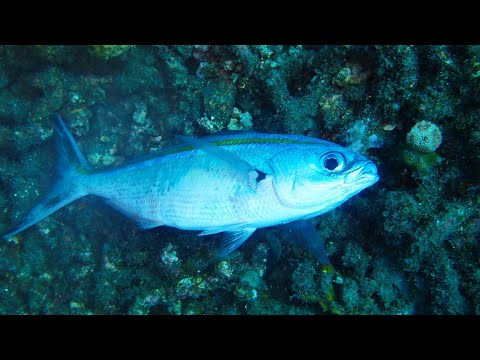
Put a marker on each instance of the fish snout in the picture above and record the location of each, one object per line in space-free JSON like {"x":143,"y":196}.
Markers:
{"x":369,"y":169}
{"x":366,"y":172}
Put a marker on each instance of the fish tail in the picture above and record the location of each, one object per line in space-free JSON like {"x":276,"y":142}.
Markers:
{"x":72,"y":170}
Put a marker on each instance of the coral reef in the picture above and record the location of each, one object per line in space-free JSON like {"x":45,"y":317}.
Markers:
{"x":106,"y":52}
{"x":425,"y":137}
{"x":422,"y":140}
{"x":408,"y":245}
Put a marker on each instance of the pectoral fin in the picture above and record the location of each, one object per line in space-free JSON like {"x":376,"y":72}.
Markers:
{"x":234,"y":162}
{"x":303,"y":232}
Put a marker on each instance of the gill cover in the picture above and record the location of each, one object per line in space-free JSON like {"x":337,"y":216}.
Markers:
{"x":295,"y":171}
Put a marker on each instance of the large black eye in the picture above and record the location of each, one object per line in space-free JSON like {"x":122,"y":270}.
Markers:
{"x":333,"y":161}
{"x":331,"y":164}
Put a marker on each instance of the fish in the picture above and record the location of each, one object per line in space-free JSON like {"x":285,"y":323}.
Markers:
{"x":231,"y":183}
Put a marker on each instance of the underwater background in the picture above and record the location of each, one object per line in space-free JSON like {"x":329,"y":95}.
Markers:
{"x":407,"y":245}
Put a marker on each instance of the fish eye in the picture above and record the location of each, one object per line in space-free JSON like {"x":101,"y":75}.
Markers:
{"x":333,"y":162}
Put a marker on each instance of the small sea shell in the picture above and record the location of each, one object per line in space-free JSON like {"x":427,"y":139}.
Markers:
{"x":389,"y":127}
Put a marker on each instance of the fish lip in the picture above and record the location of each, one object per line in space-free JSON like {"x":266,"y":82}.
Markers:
{"x":369,"y":174}
{"x":366,"y":173}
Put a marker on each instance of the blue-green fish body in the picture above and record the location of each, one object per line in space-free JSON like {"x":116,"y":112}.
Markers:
{"x":232,"y":183}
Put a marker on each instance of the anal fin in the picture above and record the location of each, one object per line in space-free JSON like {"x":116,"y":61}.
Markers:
{"x":233,"y":239}
{"x":146,"y":224}
{"x":225,"y":228}
{"x":233,"y":236}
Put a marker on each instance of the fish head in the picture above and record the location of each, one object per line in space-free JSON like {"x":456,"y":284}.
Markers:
{"x":320,"y":176}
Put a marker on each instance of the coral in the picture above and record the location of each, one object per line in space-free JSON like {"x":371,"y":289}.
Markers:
{"x":351,"y":74}
{"x":210,"y":125}
{"x":424,"y":136}
{"x":407,"y":245}
{"x":107,"y":52}
{"x":359,"y":139}
{"x":57,"y":54}
{"x":170,"y":260}
{"x":424,"y":162}
{"x":142,"y":75}
{"x":240,"y":121}
{"x":224,"y":269}
{"x":219,"y":98}
{"x":423,"y":139}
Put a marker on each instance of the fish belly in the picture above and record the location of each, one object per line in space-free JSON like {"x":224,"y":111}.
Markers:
{"x":192,"y":193}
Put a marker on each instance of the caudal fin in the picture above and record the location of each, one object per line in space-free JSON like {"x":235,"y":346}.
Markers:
{"x":72,"y":168}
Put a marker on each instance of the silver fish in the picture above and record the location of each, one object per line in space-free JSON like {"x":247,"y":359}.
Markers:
{"x":233,"y":183}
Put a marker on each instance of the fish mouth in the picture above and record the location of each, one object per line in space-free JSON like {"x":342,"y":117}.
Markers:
{"x":365,"y":174}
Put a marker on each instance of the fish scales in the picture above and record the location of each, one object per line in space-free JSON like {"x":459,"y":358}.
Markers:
{"x":191,"y":190}
{"x":232,"y":183}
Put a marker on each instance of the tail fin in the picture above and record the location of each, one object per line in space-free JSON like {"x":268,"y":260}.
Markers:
{"x":71,"y":167}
